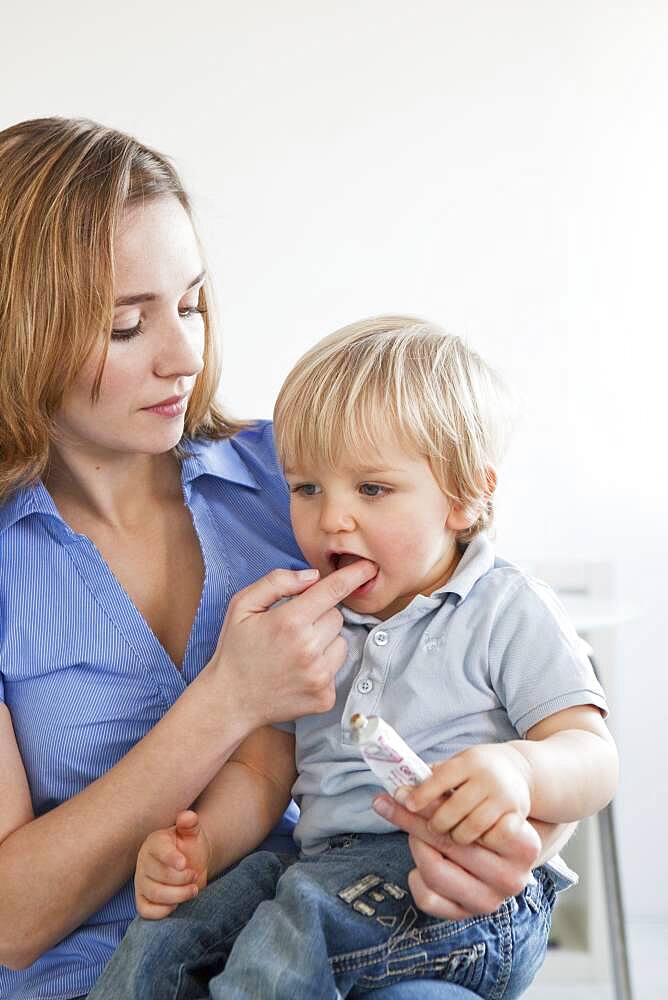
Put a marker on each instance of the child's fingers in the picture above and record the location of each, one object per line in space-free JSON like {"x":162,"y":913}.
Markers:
{"x":514,"y":839}
{"x":161,"y":846}
{"x":152,"y":911}
{"x":153,"y":868}
{"x":455,"y":808}
{"x":477,"y":822}
{"x":165,"y":895}
{"x":446,"y":776}
{"x":187,"y":823}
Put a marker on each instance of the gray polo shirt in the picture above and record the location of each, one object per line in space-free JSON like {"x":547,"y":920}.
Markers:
{"x":480,"y":661}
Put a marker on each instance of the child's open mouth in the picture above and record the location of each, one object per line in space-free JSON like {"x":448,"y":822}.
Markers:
{"x":339,"y":559}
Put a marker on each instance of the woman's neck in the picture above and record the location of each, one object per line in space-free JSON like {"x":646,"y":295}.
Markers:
{"x":115,"y":488}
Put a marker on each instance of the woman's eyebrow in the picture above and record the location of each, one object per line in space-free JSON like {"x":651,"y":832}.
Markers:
{"x":132,"y":300}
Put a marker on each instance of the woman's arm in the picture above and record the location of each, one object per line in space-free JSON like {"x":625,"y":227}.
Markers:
{"x":58,"y":869}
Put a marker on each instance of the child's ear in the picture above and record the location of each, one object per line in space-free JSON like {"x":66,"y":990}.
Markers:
{"x":460,"y":517}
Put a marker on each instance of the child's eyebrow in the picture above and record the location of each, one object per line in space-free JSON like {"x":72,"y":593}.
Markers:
{"x":370,"y":470}
{"x":358,"y":470}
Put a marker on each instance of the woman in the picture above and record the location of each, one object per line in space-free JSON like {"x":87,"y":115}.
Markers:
{"x":131,"y":511}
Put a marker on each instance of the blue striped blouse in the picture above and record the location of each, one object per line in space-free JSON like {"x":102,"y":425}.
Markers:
{"x":83,"y":675}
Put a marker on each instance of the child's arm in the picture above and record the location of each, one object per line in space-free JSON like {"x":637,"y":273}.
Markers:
{"x":234,"y":814}
{"x":566,"y":769}
{"x":574,"y":766}
{"x":243,"y":803}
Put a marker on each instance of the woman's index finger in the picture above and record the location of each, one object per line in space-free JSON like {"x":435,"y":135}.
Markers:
{"x":331,"y":590}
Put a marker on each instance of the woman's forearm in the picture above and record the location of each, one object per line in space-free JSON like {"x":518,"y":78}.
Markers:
{"x":58,"y":869}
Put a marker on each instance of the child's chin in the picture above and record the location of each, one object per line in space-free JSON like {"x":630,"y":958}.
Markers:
{"x":364,"y":605}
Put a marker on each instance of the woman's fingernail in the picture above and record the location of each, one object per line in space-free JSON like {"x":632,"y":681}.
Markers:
{"x":308,"y":574}
{"x":401,"y":795}
{"x":382,"y":807}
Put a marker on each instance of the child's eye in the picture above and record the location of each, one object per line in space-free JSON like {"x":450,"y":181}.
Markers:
{"x":306,"y":489}
{"x":373,"y":490}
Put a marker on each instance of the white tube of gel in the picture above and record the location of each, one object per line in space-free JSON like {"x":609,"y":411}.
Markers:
{"x":389,"y":757}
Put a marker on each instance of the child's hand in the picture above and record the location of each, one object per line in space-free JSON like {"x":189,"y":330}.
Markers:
{"x":482,"y":784}
{"x":171,"y":866}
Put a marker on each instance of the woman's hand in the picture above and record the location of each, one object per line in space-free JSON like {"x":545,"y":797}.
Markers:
{"x":281,"y":661}
{"x":453,"y":881}
{"x":171,"y":866}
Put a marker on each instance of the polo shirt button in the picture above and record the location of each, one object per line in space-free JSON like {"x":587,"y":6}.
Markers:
{"x":380,"y":638}
{"x":365,"y":686}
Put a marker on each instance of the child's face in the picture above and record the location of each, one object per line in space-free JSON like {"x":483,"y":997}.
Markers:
{"x":386,"y":507}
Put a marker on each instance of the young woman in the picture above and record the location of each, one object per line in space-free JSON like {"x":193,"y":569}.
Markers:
{"x":140,"y":531}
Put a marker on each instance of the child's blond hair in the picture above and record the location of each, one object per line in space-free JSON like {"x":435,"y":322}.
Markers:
{"x":400,"y":374}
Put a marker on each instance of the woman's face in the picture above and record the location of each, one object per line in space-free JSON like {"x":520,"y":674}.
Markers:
{"x":157,"y":345}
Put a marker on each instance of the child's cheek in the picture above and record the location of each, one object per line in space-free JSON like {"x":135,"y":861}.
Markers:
{"x":305,"y":539}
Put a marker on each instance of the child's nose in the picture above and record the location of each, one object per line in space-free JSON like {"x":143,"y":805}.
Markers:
{"x":335,"y":516}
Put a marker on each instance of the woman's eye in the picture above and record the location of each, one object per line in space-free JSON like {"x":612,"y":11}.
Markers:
{"x":126,"y":334}
{"x":373,"y":490}
{"x":306,"y":489}
{"x":187,"y":311}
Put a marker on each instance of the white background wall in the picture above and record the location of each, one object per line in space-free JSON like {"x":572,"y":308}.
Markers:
{"x":499,"y":167}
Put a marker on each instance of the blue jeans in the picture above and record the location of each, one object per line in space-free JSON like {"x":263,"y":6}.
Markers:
{"x":340,"y":923}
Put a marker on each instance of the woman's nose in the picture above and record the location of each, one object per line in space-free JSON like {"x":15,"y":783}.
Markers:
{"x":181,"y":350}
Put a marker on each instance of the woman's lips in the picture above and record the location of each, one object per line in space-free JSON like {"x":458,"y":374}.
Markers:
{"x":173,"y":408}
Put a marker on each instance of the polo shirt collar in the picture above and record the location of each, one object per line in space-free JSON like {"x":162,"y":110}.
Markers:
{"x":477,"y":559}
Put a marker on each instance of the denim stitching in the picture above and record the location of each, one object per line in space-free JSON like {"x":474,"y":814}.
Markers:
{"x":505,"y":953}
{"x":404,"y":931}
{"x":350,"y":961}
{"x":439,"y":964}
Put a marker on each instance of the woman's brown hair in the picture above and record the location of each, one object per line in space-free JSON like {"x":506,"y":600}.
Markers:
{"x":64,"y":185}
